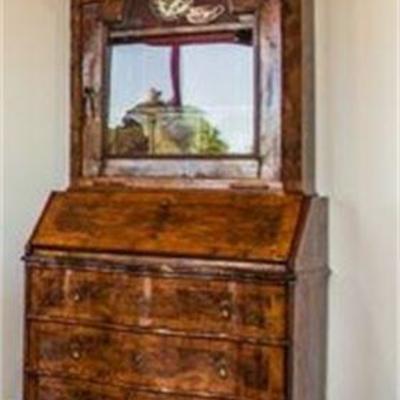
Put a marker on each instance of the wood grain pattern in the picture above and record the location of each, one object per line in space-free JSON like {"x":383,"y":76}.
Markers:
{"x":76,"y":114}
{"x":54,"y":389}
{"x":192,"y":366}
{"x":309,"y":299}
{"x":185,"y":223}
{"x":188,"y":305}
{"x":308,"y":353}
{"x":45,"y":388}
{"x":243,"y":319}
{"x":125,"y":182}
{"x":113,"y":10}
{"x":244,"y":6}
{"x":298,"y":147}
{"x":92,"y":91}
{"x":171,"y":267}
{"x":311,"y":251}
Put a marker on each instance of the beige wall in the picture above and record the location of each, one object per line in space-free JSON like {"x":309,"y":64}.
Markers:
{"x":36,"y":67}
{"x":356,"y":167}
{"x":1,"y":178}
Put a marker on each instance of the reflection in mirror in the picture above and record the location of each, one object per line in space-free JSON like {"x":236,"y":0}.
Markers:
{"x":181,"y":96}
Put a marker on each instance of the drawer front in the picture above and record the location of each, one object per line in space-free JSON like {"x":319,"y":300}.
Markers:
{"x":194,"y":366}
{"x":242,"y":309}
{"x":58,"y":389}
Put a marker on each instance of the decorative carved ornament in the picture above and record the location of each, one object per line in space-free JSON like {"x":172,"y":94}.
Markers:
{"x":174,"y":10}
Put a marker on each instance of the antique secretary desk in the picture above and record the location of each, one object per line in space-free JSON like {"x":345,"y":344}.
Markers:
{"x":187,"y":259}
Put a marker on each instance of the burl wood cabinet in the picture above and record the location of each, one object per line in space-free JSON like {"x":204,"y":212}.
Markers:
{"x":188,"y":257}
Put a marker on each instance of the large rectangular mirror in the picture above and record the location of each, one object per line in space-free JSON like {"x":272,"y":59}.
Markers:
{"x":182,"y":96}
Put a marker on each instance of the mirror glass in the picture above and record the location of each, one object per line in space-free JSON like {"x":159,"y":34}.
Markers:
{"x":186,"y":96}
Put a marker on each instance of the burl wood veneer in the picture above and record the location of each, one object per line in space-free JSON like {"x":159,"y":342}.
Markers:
{"x":231,"y":317}
{"x":187,"y":278}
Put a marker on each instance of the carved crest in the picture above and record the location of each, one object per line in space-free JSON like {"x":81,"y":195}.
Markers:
{"x":170,"y":10}
{"x":173,"y":10}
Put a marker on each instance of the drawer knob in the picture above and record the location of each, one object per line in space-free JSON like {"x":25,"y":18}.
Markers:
{"x":77,"y":297}
{"x":75,"y":351}
{"x":76,"y":354}
{"x":226,"y":310}
{"x":223,"y":372}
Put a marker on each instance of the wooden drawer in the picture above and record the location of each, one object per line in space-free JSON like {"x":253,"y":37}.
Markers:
{"x":58,"y":389}
{"x":219,"y":307}
{"x":178,"y":364}
{"x":44,"y":388}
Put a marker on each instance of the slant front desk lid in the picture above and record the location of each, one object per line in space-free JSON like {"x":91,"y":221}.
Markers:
{"x":203,"y":224}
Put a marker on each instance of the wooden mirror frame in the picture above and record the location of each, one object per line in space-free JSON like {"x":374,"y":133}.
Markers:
{"x":285,"y":97}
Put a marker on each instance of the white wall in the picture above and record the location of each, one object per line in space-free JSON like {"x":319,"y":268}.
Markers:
{"x":1,"y":175}
{"x":358,"y":139}
{"x":356,"y":167}
{"x":36,"y":97}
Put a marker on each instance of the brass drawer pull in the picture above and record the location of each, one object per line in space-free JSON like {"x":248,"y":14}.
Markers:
{"x":75,"y":351}
{"x":76,"y":355}
{"x":77,"y":297}
{"x":221,"y":367}
{"x":223,"y":371}
{"x":226,"y":310}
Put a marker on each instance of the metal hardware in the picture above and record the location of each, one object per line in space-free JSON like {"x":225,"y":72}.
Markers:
{"x":223,"y":371}
{"x":75,"y":351}
{"x":226,"y":310}
{"x":77,"y":297}
{"x":76,"y":355}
